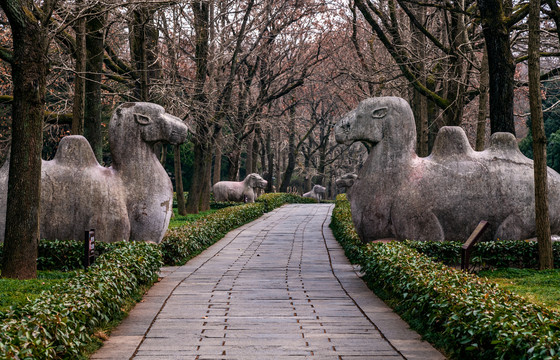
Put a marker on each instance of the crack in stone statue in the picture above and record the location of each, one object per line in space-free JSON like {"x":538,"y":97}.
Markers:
{"x":240,"y":191}
{"x":317,"y":193}
{"x":131,"y":200}
{"x":443,"y":196}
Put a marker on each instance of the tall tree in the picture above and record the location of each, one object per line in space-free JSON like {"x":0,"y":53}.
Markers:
{"x":95,"y":23}
{"x":546,"y":260}
{"x":80,"y":55}
{"x":29,"y":70}
{"x":496,"y":22}
{"x":197,"y":199}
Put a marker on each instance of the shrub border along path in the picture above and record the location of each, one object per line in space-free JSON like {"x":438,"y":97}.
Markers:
{"x":468,"y":316}
{"x":60,"y":324}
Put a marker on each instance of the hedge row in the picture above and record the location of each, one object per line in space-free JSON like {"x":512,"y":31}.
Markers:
{"x":493,"y":254}
{"x":63,"y":255}
{"x":471,"y":317}
{"x":183,"y":242}
{"x":61,"y":322}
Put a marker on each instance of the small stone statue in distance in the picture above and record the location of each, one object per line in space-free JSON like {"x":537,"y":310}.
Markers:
{"x":317,"y":193}
{"x":240,"y":191}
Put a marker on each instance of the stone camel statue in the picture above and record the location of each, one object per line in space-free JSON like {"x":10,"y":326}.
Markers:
{"x":240,"y":191}
{"x":445,"y":195}
{"x":345,"y":183}
{"x":317,"y":193}
{"x":131,"y":200}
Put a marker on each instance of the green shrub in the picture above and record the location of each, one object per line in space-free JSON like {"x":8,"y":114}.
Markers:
{"x":60,"y":323}
{"x":63,"y":255}
{"x":273,"y":200}
{"x":474,"y":318}
{"x":470,"y":317}
{"x":183,"y":242}
{"x":343,"y":230}
{"x":491,"y":254}
{"x":217,"y":205}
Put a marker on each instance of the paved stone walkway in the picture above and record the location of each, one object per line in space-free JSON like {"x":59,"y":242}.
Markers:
{"x":277,"y":288}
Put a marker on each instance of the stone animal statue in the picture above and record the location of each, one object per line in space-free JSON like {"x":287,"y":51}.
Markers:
{"x":317,"y":193}
{"x":345,"y":182}
{"x":445,"y":195}
{"x":240,"y":191}
{"x":131,"y":200}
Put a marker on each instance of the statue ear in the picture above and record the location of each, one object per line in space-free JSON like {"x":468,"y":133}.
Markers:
{"x":379,"y":113}
{"x":142,"y":119}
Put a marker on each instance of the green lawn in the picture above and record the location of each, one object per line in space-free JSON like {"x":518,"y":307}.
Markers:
{"x":179,"y":220}
{"x":17,"y":292}
{"x":541,"y":287}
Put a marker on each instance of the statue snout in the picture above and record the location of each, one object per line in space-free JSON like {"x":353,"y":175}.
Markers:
{"x":178,"y":131}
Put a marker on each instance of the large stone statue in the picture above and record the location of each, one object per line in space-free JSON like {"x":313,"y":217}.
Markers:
{"x":241,"y":191}
{"x":444,"y":196}
{"x":345,"y":182}
{"x":130,"y":200}
{"x":317,"y":193}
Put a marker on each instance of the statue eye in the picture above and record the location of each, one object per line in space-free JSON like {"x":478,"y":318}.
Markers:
{"x":379,"y":113}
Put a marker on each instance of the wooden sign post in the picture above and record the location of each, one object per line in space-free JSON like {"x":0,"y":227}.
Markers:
{"x":89,"y":248}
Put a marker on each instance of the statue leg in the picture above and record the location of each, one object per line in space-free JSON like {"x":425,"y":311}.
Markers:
{"x":423,"y":226}
{"x":516,"y":227}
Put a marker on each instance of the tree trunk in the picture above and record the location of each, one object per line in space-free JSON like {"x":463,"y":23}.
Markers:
{"x":79,"y":80}
{"x":233,"y":159}
{"x":199,"y":196}
{"x":291,"y":155}
{"x":249,"y":162}
{"x":94,"y":67}
{"x":270,"y":162}
{"x":542,"y":219}
{"x":217,"y":171}
{"x":500,"y":65}
{"x":181,"y":209}
{"x":255,"y":152}
{"x":419,"y":103}
{"x":194,"y":198}
{"x":29,"y":71}
{"x":143,"y":36}
{"x":482,"y":104}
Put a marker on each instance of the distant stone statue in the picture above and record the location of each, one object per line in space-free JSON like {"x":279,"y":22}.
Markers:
{"x":240,"y":191}
{"x":131,"y":200}
{"x":444,"y":196}
{"x":317,"y":193}
{"x":345,"y":182}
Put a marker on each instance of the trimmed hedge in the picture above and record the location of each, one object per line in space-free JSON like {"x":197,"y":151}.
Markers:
{"x":273,"y":200}
{"x":60,"y":323}
{"x":469,"y":316}
{"x":184,"y":242}
{"x":492,"y":254}
{"x":63,"y":255}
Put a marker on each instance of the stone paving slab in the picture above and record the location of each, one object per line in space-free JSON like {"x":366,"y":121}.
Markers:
{"x":277,"y":288}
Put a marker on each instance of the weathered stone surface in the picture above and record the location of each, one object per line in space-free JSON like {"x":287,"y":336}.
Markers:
{"x":132,"y":199}
{"x":239,"y":190}
{"x":317,"y":193}
{"x":444,"y":196}
{"x":345,"y":182}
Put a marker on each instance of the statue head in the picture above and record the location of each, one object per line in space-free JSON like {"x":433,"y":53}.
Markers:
{"x":150,"y":122}
{"x":256,"y":181}
{"x":380,"y":119}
